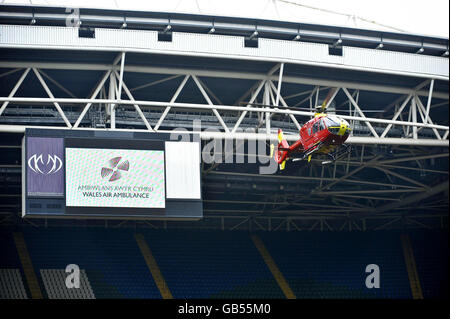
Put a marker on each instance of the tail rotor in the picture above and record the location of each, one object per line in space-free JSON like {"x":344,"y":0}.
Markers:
{"x":280,"y":154}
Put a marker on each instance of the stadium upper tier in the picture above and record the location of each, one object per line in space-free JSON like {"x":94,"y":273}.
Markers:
{"x":222,"y":25}
{"x":216,"y":264}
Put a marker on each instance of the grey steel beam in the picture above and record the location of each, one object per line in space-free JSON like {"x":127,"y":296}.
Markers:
{"x":223,"y":74}
{"x":50,"y":94}
{"x":15,"y":88}
{"x":194,"y":106}
{"x":253,"y":136}
{"x":415,"y":198}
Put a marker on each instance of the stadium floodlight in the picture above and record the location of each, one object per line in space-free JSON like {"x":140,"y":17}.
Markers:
{"x":124,"y":25}
{"x":421,"y":50}
{"x":168,"y":28}
{"x":445,"y":53}
{"x":339,"y":41}
{"x":33,"y":21}
{"x":297,"y":37}
{"x":212,"y":30}
{"x":254,"y":34}
{"x":380,"y":46}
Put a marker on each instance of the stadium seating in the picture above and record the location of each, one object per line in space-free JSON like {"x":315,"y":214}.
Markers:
{"x":11,"y":275}
{"x":222,"y":264}
{"x":55,"y":285}
{"x":11,"y":284}
{"x":111,"y":259}
{"x":205,"y":264}
{"x":332,"y":265}
{"x":431,"y":254}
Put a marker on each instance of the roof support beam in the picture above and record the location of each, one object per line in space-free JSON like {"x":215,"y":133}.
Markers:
{"x":360,"y":112}
{"x":415,"y":198}
{"x":50,"y":94}
{"x":208,"y":100}
{"x":223,"y":74}
{"x":138,"y":109}
{"x":173,"y":99}
{"x":93,"y":96}
{"x":14,"y":90}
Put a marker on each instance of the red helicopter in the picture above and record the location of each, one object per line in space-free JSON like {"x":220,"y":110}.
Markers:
{"x":321,"y":135}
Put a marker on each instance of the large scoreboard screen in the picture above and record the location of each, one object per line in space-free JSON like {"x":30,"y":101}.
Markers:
{"x":114,"y":178}
{"x":110,"y":174}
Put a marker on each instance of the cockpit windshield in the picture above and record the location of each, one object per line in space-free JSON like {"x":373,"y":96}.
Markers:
{"x":332,"y":121}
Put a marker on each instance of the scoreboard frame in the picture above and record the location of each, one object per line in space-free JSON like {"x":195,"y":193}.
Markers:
{"x":55,"y":206}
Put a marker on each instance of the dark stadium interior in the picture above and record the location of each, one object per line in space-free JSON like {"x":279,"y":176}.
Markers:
{"x":322,"y":225}
{"x":214,"y":264}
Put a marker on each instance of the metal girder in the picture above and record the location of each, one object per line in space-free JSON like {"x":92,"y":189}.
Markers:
{"x":425,"y":187}
{"x":207,"y":135}
{"x":208,"y":100}
{"x":50,"y":94}
{"x":280,"y":77}
{"x":174,"y":97}
{"x":414,"y":198}
{"x":138,"y":109}
{"x":58,"y":84}
{"x":360,"y":112}
{"x":93,"y":96}
{"x":399,"y":111}
{"x":194,"y":106}
{"x":223,"y":74}
{"x":122,"y":63}
{"x":280,"y":98}
{"x":143,"y":86}
{"x":244,"y":113}
{"x":427,"y":118}
{"x":226,"y":222}
{"x":15,"y":88}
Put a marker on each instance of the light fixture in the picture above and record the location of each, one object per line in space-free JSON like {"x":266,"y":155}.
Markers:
{"x":124,"y":24}
{"x":168,"y":28}
{"x":420,"y":50}
{"x":254,"y":34}
{"x":445,"y":53}
{"x":212,"y":30}
{"x":297,"y":37}
{"x":380,"y":46}
{"x":33,"y":20}
{"x":339,"y":41}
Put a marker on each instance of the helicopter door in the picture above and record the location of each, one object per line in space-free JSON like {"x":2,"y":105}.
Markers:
{"x":315,"y":131}
{"x":309,"y":136}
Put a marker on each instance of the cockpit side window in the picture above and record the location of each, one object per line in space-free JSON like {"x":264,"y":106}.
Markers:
{"x":316,"y":127}
{"x":331,"y":122}
{"x":322,"y":125}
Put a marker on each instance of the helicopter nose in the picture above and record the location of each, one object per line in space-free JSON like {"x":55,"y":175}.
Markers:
{"x":344,"y":127}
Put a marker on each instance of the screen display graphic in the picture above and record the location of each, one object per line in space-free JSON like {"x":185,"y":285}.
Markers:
{"x":115,"y":178}
{"x":45,"y":167}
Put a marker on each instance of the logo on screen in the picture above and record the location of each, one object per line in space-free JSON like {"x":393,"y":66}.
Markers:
{"x":37,"y":165}
{"x":116,"y":166}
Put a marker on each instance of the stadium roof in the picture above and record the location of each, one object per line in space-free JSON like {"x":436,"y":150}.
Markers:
{"x":226,"y":25}
{"x":420,"y":18}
